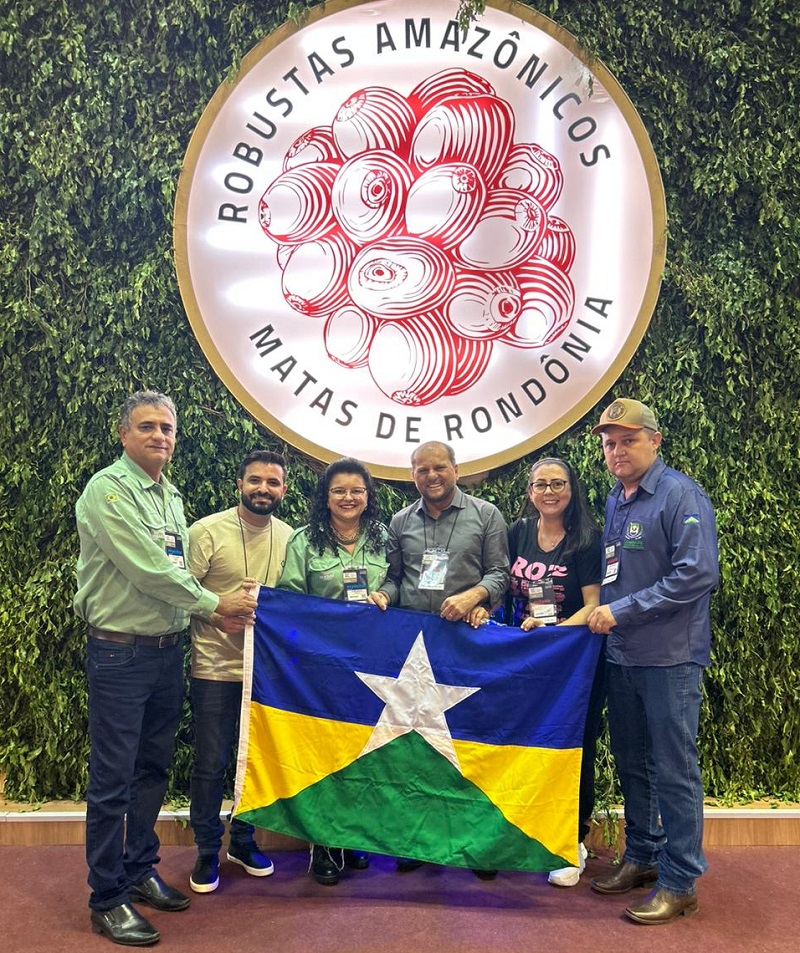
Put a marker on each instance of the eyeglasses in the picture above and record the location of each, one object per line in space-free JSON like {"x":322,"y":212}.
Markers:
{"x":555,"y":486}
{"x":340,"y":492}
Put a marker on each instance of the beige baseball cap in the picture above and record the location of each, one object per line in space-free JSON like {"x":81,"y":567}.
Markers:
{"x":632,"y":414}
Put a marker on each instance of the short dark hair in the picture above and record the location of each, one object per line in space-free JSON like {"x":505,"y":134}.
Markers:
{"x":451,"y":454}
{"x":262,"y":456}
{"x":141,"y":398}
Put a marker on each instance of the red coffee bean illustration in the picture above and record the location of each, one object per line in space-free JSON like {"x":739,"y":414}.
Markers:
{"x":548,"y":299}
{"x":369,"y":194}
{"x":472,"y":359}
{"x":373,"y":118}
{"x":483,"y":305}
{"x":296,"y":207}
{"x":315,"y":277}
{"x":315,"y":145}
{"x":558,"y":244}
{"x":510,"y":229}
{"x":348,"y":336}
{"x":478,"y":130}
{"x":445,"y":203}
{"x":424,"y":235}
{"x":445,"y":85}
{"x":413,"y":361}
{"x":534,"y":170}
{"x":400,"y":277}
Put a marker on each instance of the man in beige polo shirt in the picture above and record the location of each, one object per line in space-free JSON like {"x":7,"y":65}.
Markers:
{"x":245,"y":541}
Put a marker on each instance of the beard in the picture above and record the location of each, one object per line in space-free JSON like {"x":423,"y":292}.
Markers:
{"x":259,"y":507}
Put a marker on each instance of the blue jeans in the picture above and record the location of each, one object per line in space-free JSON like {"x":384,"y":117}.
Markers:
{"x":216,"y":721}
{"x":135,"y":695}
{"x":653,"y":715}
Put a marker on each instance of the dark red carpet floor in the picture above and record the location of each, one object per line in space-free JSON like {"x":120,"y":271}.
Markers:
{"x":749,"y":903}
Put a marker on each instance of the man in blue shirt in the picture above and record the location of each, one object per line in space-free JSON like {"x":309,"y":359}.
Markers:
{"x":660,"y":567}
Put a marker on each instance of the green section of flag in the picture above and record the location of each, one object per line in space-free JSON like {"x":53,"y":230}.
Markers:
{"x":406,"y":799}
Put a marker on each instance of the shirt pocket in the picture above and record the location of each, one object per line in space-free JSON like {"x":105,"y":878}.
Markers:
{"x":327,"y":568}
{"x":377,"y":568}
{"x":155,"y":531}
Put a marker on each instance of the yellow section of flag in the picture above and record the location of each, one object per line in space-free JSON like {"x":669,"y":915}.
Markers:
{"x":288,"y":752}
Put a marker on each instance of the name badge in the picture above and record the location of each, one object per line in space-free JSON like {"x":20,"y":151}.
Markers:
{"x":433,"y":570}
{"x":542,"y":601}
{"x":354,"y":579}
{"x":174,"y":547}
{"x":612,"y":563}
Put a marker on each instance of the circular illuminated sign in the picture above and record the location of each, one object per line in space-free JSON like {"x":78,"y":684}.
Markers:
{"x":389,"y":231}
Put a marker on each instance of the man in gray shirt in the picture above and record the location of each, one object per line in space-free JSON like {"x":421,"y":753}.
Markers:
{"x":447,"y":553}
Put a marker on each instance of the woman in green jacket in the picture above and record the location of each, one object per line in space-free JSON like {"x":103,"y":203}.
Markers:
{"x":339,"y":554}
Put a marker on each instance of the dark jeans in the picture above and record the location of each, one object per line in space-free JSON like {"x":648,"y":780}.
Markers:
{"x":135,"y":695}
{"x":653,"y":714}
{"x":216,"y":721}
{"x":591,"y":731}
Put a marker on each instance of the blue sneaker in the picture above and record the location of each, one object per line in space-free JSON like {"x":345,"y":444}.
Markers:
{"x":205,"y":876}
{"x":251,"y":858}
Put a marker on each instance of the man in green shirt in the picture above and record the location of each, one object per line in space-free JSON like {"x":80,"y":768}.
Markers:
{"x":136,"y":595}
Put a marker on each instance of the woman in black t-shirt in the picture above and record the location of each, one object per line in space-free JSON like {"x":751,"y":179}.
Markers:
{"x":555,"y":558}
{"x":560,"y":542}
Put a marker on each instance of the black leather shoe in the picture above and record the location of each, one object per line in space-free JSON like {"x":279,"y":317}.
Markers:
{"x":123,"y":925}
{"x":663,"y":906}
{"x":404,"y":864}
{"x":485,"y":874}
{"x":326,"y":864}
{"x":356,"y":859}
{"x":154,"y":891}
{"x":626,"y":877}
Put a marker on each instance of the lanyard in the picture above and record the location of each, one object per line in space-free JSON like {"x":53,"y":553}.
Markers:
{"x":244,"y":549}
{"x":425,"y":519}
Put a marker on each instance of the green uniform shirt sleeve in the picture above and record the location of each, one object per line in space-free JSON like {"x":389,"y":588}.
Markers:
{"x":122,"y":549}
{"x":293,"y":576}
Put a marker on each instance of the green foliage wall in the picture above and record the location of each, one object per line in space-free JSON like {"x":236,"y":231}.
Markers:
{"x":98,"y":101}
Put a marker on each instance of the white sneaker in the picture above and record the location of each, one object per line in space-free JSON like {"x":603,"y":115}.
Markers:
{"x":569,"y":876}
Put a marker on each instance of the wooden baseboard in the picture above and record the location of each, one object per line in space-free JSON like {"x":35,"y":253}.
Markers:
{"x":746,"y":826}
{"x":64,"y":824}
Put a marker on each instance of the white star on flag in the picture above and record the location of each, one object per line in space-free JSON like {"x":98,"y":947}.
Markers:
{"x":415,"y":701}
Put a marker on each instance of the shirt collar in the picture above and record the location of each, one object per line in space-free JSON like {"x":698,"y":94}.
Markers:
{"x":648,"y":481}
{"x":458,"y":502}
{"x":144,"y":479}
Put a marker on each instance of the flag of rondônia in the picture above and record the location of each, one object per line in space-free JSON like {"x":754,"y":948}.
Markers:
{"x":399,"y":733}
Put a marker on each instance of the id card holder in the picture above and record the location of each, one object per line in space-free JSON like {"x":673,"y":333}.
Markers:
{"x":354,"y":579}
{"x":433,"y":569}
{"x":174,"y":547}
{"x":542,"y":601}
{"x":612,"y":563}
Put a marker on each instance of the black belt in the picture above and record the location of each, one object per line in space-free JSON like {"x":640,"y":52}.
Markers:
{"x":128,"y":638}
